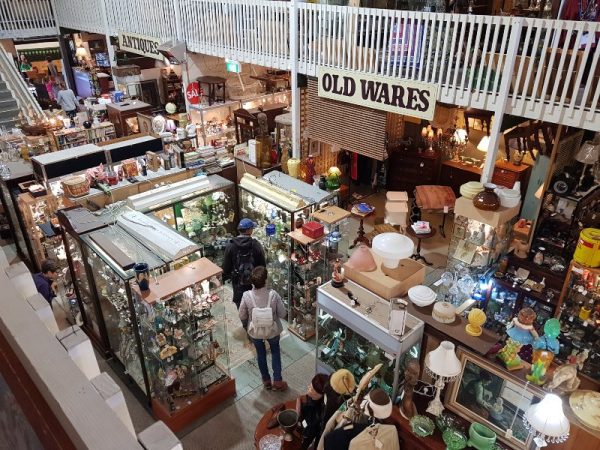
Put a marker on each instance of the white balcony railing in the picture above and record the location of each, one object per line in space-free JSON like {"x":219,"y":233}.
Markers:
{"x":26,"y":18}
{"x":555,"y":77}
{"x":251,"y":31}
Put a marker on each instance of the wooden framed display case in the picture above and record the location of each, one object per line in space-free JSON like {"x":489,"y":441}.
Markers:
{"x":203,"y":208}
{"x":270,"y":203}
{"x":357,"y":337}
{"x":579,"y":315}
{"x":184,"y":342}
{"x":308,"y":269}
{"x":124,"y":116}
{"x":479,"y":238}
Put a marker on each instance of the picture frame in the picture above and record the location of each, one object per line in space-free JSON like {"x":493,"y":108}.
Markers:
{"x":487,"y":394}
{"x":314,"y":148}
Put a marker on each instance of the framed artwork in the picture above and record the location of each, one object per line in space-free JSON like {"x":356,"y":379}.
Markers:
{"x":465,"y":251}
{"x":487,"y":394}
{"x":314,"y":149}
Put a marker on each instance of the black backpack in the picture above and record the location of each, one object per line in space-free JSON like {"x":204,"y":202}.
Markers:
{"x":244,"y":264}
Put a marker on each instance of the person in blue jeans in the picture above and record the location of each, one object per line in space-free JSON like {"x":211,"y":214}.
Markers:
{"x":262,"y":297}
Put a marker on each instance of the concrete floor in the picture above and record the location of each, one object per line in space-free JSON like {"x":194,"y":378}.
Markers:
{"x":231,"y":425}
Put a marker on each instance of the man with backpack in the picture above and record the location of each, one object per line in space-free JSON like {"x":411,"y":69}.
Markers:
{"x":242,"y":255}
{"x":265,"y":309}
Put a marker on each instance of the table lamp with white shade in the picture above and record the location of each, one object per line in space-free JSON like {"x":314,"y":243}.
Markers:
{"x":442,"y":365}
{"x":547,"y":421}
{"x":588,"y":154}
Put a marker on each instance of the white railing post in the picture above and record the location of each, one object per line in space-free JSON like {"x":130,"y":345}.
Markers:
{"x":111,"y":50}
{"x":503,"y":93}
{"x":296,"y":151}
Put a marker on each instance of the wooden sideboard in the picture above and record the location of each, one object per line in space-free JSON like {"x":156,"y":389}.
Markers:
{"x":410,"y":168}
{"x":454,"y":174}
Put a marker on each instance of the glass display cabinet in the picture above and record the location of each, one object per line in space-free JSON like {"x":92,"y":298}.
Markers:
{"x":74,"y":223}
{"x":274,"y":203}
{"x":479,"y":238}
{"x":358,"y":338}
{"x":579,"y":315}
{"x":184,"y":342}
{"x":308,"y":266}
{"x":202,"y":208}
{"x":111,"y":255}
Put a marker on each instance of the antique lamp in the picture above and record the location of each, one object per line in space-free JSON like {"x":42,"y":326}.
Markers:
{"x":588,"y":154}
{"x":547,"y":421}
{"x":333,"y":178}
{"x":442,"y":365}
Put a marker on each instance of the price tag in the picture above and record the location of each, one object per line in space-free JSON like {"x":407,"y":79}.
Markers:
{"x":378,"y":443}
{"x":585,"y":323}
{"x":446,"y":209}
{"x":304,"y":424}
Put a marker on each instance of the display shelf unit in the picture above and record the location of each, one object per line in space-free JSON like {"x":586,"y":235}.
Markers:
{"x":173,"y":89}
{"x":203,"y":208}
{"x":277,"y":203}
{"x":308,"y":267}
{"x":184,"y":342}
{"x":357,"y":338}
{"x":479,"y":238}
{"x":74,"y":137}
{"x":579,"y":315}
{"x":561,"y":221}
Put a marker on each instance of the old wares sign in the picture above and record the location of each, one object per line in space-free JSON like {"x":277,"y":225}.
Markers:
{"x":140,"y":45}
{"x":411,"y":98}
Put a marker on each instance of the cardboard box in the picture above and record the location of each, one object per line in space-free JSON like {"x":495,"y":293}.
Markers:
{"x":389,"y":283}
{"x":465,"y":207}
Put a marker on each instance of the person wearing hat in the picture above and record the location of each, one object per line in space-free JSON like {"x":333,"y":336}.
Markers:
{"x":242,"y":254}
{"x":311,"y":409}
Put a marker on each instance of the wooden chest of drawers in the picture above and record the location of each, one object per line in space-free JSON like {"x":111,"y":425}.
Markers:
{"x":408,"y":168}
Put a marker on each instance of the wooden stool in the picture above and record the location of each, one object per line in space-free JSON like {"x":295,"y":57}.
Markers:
{"x":213,"y":84}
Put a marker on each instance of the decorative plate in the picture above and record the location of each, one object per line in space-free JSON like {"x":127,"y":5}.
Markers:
{"x":158,"y":124}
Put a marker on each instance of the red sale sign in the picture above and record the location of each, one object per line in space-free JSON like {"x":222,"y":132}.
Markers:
{"x":192,"y":92}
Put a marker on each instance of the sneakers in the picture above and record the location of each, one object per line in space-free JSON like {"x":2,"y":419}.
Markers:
{"x":279,"y":386}
{"x":267,"y":384}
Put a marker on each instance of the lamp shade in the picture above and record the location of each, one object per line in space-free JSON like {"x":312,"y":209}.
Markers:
{"x":547,"y":420}
{"x":81,"y":52}
{"x":442,"y":362}
{"x":484,"y":143}
{"x":588,"y":153}
{"x":460,"y":136}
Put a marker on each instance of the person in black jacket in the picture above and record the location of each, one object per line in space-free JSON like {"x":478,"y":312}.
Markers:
{"x":242,"y":255}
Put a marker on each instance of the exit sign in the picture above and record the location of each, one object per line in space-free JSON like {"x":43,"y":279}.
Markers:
{"x":233,"y":66}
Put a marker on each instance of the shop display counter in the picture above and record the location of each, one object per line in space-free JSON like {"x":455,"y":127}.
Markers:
{"x":184,"y":342}
{"x":358,"y":338}
{"x":274,"y":206}
{"x":202,"y":207}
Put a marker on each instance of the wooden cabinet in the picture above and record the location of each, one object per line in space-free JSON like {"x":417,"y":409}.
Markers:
{"x":124,"y":116}
{"x":454,"y":174}
{"x":409,"y":168}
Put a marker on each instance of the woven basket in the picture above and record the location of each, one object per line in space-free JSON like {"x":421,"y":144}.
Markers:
{"x":76,"y":186}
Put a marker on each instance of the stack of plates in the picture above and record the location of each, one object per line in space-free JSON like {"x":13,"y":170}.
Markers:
{"x":471,"y":189}
{"x":421,"y":295}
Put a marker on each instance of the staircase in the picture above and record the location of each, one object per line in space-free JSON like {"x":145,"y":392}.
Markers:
{"x":14,"y":93}
{"x":9,"y":110}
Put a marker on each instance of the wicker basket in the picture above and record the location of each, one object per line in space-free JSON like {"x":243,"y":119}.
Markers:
{"x":76,"y":186}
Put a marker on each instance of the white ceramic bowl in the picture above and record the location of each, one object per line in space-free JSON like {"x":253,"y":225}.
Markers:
{"x":421,"y":295}
{"x":509,"y":202}
{"x":392,"y":247}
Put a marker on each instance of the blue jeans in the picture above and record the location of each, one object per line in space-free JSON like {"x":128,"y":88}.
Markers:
{"x":261,"y":356}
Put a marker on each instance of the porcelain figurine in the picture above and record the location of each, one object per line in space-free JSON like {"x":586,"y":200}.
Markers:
{"x":564,"y":380}
{"x":544,"y":349}
{"x":520,"y":332}
{"x":337,"y":277}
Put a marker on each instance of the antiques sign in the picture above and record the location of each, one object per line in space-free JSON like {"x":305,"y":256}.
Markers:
{"x":407,"y":97}
{"x":140,"y":45}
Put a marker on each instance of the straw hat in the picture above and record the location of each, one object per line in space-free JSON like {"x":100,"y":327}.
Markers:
{"x":342,"y":381}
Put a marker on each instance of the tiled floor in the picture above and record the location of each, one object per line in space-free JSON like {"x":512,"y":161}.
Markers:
{"x":231,"y":425}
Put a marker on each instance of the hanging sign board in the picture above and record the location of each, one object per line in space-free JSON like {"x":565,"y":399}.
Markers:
{"x":233,"y":66}
{"x":140,"y":45}
{"x":407,"y":97}
{"x":192,"y":92}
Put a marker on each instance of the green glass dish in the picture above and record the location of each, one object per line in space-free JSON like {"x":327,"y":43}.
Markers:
{"x":422,"y":426}
{"x":454,"y":439}
{"x":447,"y":420}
